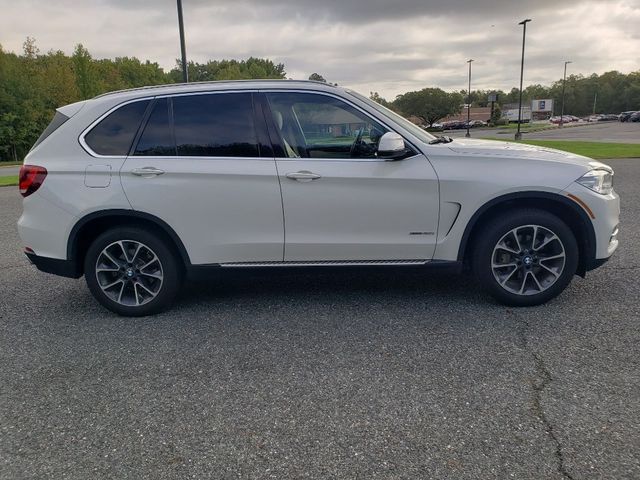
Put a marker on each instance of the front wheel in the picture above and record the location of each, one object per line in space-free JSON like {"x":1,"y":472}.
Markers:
{"x":526,"y":257}
{"x":132,"y":272}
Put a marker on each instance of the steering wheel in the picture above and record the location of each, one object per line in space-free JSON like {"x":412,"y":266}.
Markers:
{"x":356,"y":143}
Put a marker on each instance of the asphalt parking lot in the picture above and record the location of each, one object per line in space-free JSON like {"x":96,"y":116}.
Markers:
{"x":612,"y":132}
{"x":394,"y":374}
{"x":6,"y":171}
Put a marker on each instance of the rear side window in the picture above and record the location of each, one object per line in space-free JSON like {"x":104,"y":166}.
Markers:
{"x":215,"y":125}
{"x":157,"y":138}
{"x":115,"y":133}
{"x":58,"y":119}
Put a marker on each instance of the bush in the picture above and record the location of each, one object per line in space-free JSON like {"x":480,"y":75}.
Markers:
{"x":500,"y":122}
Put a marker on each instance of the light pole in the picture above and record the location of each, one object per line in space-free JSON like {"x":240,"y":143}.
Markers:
{"x":469,"y":99}
{"x":564,"y":80}
{"x":183,"y":48}
{"x":524,"y":33}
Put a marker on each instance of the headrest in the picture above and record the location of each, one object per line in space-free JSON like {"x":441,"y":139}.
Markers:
{"x":277,"y":116}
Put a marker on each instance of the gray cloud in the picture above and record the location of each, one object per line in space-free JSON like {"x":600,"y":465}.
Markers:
{"x":378,"y":45}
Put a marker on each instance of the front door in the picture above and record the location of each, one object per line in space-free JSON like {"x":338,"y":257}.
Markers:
{"x":340,"y":201}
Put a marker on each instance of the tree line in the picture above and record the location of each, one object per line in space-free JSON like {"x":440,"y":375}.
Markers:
{"x":611,"y":92}
{"x":34,"y":84}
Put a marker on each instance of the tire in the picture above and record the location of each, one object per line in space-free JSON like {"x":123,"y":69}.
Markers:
{"x":142,"y":281}
{"x":525,"y":258}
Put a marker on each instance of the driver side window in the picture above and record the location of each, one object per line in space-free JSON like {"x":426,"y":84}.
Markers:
{"x":319,"y":126}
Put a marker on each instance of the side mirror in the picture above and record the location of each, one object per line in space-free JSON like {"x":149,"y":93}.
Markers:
{"x":391,"y":146}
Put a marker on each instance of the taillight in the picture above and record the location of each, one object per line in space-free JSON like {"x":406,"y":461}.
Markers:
{"x":31,"y":177}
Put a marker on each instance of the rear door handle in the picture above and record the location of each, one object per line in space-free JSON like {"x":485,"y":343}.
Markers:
{"x":303,"y":176}
{"x":147,"y":172}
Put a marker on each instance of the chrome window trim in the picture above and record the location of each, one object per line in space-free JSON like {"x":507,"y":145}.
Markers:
{"x":82,"y":140}
{"x":89,"y":150}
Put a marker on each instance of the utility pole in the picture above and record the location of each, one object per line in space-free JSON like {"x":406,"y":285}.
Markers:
{"x":183,"y":48}
{"x":564,"y":80}
{"x":469,"y":99}
{"x":524,"y":33}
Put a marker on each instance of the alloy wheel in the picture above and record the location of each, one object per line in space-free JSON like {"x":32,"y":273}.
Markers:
{"x":528,"y":260}
{"x":129,"y":273}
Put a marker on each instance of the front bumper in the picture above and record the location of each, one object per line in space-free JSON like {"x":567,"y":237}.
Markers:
{"x":604,"y":213}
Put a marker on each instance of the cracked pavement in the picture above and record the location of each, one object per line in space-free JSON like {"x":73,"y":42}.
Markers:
{"x":392,"y":373}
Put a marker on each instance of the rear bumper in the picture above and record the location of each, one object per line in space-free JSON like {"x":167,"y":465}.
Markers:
{"x":63,"y":268}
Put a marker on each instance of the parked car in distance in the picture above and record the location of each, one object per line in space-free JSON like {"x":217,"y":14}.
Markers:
{"x":603,"y":117}
{"x":634,"y":117}
{"x":565,"y":119}
{"x":477,"y":123}
{"x":454,"y":125}
{"x":139,"y":189}
{"x":436,"y":127}
{"x":625,"y":116}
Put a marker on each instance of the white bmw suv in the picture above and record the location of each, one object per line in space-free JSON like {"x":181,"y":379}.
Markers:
{"x":141,"y":188}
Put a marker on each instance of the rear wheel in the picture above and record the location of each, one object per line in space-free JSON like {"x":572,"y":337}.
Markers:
{"x":132,"y":272}
{"x":526,"y":257}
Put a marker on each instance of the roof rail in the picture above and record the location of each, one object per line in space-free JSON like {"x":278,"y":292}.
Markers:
{"x":211,"y":82}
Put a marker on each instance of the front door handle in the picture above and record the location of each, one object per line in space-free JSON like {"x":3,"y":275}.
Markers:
{"x":303,"y":176}
{"x":147,"y":172}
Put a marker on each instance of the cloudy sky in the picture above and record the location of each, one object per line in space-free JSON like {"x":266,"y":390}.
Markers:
{"x":390,"y":46}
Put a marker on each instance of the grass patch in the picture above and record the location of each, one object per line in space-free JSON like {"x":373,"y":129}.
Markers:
{"x":524,"y":128}
{"x":596,"y":150}
{"x":10,"y":181}
{"x":9,"y":164}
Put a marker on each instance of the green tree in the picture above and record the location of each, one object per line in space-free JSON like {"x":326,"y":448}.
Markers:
{"x":84,"y":71}
{"x":496,"y":115}
{"x":429,"y":104}
{"x":375,"y":96}
{"x":251,"y":68}
{"x":317,"y":77}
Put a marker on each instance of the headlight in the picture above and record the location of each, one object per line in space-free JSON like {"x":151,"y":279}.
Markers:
{"x":600,"y":181}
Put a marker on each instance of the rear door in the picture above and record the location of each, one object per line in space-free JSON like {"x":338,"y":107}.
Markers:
{"x":341,"y":202}
{"x":203,"y":166}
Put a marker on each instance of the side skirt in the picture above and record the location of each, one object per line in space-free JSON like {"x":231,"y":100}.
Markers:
{"x":324,"y":263}
{"x":200,"y":272}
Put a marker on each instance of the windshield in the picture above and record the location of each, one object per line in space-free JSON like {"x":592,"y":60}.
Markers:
{"x":406,"y":124}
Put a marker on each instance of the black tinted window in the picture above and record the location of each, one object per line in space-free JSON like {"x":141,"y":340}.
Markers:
{"x":157,"y":140}
{"x":215,"y":125}
{"x":114,"y":134}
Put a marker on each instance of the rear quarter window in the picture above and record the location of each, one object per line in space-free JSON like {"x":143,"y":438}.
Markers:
{"x":115,"y":133}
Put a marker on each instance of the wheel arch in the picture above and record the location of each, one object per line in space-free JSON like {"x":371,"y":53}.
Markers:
{"x":93,"y":224}
{"x":563,"y":207}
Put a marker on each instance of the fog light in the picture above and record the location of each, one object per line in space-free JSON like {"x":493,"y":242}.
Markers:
{"x":614,"y":235}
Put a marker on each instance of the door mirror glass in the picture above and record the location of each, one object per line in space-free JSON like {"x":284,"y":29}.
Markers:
{"x":391,"y":146}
